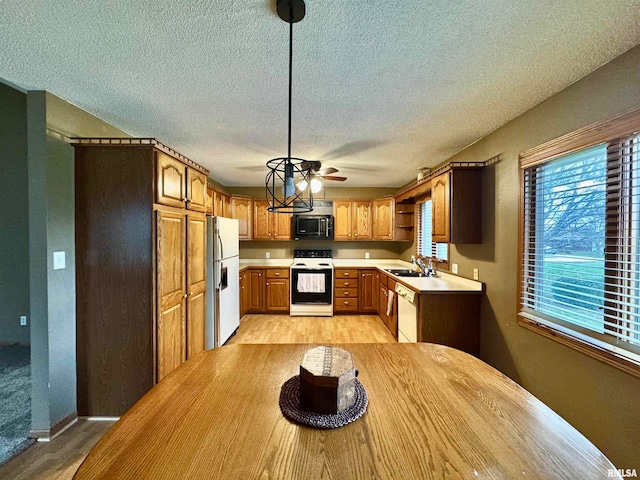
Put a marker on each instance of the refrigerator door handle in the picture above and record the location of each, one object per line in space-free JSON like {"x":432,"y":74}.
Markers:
{"x":221,"y":256}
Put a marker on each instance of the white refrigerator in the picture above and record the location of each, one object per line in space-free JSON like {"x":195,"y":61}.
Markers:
{"x":223,"y":280}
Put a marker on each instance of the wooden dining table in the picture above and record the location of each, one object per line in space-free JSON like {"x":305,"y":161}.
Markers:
{"x":433,"y":412}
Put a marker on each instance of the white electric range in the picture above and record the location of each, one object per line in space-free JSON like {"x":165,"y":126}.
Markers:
{"x":312,"y":283}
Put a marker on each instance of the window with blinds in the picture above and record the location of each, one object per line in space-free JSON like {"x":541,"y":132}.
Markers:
{"x":424,"y":246}
{"x":580,"y":273}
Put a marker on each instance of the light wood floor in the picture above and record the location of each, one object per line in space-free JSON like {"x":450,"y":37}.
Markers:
{"x":286,"y":329}
{"x":60,"y":458}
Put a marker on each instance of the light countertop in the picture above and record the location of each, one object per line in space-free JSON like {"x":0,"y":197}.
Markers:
{"x":442,"y":284}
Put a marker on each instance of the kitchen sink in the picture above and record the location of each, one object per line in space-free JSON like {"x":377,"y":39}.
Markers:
{"x":404,"y":272}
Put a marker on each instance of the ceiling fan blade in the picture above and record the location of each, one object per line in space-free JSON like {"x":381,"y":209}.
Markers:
{"x":327,"y":171}
{"x":332,"y":177}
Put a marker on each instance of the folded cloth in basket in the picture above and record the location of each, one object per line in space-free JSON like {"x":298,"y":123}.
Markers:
{"x":311,"y":283}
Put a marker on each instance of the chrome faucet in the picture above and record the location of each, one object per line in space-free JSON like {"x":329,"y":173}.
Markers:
{"x":420,"y":263}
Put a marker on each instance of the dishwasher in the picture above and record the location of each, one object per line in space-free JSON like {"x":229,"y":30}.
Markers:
{"x":407,"y":315}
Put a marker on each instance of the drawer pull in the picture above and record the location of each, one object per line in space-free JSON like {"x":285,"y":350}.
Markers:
{"x":346,"y":293}
{"x":277,"y":274}
{"x":346,"y":274}
{"x":346,"y":303}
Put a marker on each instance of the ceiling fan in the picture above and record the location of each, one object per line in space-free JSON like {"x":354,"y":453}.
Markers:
{"x":324,"y":173}
{"x":317,"y":174}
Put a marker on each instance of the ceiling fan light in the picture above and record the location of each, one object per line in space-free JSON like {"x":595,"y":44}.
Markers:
{"x":316,"y":185}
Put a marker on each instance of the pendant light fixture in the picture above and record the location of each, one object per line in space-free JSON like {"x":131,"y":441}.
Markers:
{"x":287,"y":174}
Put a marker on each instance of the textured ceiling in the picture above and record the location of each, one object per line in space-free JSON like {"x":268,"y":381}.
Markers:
{"x":380,"y":88}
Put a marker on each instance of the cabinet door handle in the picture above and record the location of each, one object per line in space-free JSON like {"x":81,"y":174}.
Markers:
{"x":356,"y":234}
{"x":190,"y":294}
{"x":185,"y":296}
{"x":267,"y":284}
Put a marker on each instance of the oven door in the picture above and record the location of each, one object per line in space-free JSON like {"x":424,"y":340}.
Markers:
{"x":311,"y":285}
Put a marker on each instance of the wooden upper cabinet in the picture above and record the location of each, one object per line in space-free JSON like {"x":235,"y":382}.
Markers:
{"x":457,"y":206}
{"x":383,"y":218}
{"x":261,"y":218}
{"x":171,"y":181}
{"x":352,"y":220}
{"x":281,"y":226}
{"x":178,"y":185}
{"x":242,"y":210}
{"x":196,"y":282}
{"x":196,"y":191}
{"x":222,"y":205}
{"x":270,"y":226}
{"x":361,"y":220}
{"x":342,"y":219}
{"x":440,"y":229}
{"x":210,"y":200}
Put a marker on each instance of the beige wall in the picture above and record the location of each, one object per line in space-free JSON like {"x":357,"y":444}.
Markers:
{"x":600,"y":401}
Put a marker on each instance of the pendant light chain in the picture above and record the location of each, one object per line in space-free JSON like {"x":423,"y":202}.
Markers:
{"x":290,"y":75}
{"x":286,"y":174}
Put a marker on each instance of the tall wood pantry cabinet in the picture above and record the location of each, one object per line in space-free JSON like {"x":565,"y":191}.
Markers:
{"x":140,"y":268}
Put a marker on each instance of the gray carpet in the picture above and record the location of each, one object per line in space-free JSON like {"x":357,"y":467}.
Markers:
{"x":15,"y":400}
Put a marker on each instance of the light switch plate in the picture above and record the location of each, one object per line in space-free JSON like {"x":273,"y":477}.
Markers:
{"x":59,"y":261}
{"x":475,"y":274}
{"x":366,"y":254}
{"x":454,"y":268}
{"x":267,"y":255}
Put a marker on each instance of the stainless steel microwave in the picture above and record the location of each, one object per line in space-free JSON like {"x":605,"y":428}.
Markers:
{"x":317,"y":227}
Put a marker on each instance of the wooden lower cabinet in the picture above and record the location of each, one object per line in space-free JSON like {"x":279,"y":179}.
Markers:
{"x":387,"y":314}
{"x":245,"y":292}
{"x":368,"y":290}
{"x":266,"y":290}
{"x":171,"y":291}
{"x":277,"y":290}
{"x":451,"y":319}
{"x":196,"y":283}
{"x":255,"y":279}
{"x":345,"y":290}
{"x":181,"y":285}
{"x":355,"y":290}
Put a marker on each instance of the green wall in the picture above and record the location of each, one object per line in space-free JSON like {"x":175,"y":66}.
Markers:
{"x":14,"y":216}
{"x":600,"y":401}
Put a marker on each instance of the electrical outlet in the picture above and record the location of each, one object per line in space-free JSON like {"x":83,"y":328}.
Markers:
{"x":366,"y":254}
{"x":23,"y":320}
{"x":454,"y":268}
{"x":267,"y":255}
{"x":475,"y":274}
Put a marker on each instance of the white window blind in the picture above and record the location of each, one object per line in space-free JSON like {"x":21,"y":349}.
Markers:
{"x":424,"y":246}
{"x":581,"y":255}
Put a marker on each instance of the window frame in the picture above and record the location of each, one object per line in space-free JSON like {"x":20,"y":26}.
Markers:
{"x":622,"y":125}
{"x":440,"y":264}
